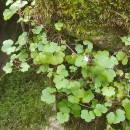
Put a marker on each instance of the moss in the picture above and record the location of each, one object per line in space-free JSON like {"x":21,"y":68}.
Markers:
{"x":101,"y":21}
{"x":20,"y":104}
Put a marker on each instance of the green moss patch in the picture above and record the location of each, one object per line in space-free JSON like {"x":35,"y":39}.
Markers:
{"x":20,"y":104}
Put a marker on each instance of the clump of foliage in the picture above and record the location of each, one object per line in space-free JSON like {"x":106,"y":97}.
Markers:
{"x":86,"y":83}
{"x":20,"y":107}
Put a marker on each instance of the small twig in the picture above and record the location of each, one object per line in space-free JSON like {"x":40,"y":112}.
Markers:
{"x":71,"y":49}
{"x":84,"y":105}
{"x":2,"y":76}
{"x":72,"y":76}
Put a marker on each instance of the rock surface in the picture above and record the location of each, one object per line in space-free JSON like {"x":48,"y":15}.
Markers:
{"x":101,"y":21}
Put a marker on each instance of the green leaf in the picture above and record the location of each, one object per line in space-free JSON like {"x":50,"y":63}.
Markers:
{"x":80,"y":62}
{"x":75,"y":109}
{"x":23,"y":55}
{"x":24,"y":66}
{"x":105,"y":75}
{"x":114,"y":118}
{"x":47,"y":95}
{"x":58,"y":26}
{"x":70,"y":59}
{"x":90,"y":46}
{"x":125,"y":60}
{"x":61,"y":70}
{"x":126,"y":40}
{"x":125,"y":101}
{"x":79,"y":48}
{"x":7,"y":14}
{"x":108,"y":91}
{"x":64,"y":109}
{"x":120,"y":55}
{"x":88,"y":116}
{"x":40,"y":46}
{"x":73,"y":99}
{"x":110,"y":117}
{"x":88,"y":96}
{"x":8,"y":67}
{"x":79,"y":93}
{"x":9,"y":2}
{"x":43,"y":68}
{"x":7,"y":47}
{"x":99,"y":109}
{"x":102,"y":59}
{"x":62,"y":117}
{"x":37,"y":29}
{"x":22,"y":39}
{"x":127,"y":110}
{"x":33,"y":47}
{"x":72,"y":68}
{"x":62,"y":84}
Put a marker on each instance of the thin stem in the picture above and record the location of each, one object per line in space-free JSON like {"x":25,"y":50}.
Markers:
{"x":71,"y":49}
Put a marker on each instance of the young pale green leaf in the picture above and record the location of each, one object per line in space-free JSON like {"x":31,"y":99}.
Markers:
{"x":62,"y":84}
{"x":88,"y":116}
{"x":99,"y":109}
{"x":47,"y":95}
{"x":79,"y":48}
{"x":102,"y":59}
{"x":80,"y":62}
{"x":24,"y":66}
{"x":13,"y":57}
{"x":37,"y":29}
{"x":7,"y":47}
{"x":117,"y":117}
{"x":109,"y":74}
{"x":8,"y":67}
{"x":108,"y":91}
{"x":62,"y":117}
{"x":79,"y":93}
{"x":22,"y":39}
{"x":110,"y":117}
{"x":59,"y":26}
{"x":8,"y":2}
{"x":61,"y":70}
{"x":88,"y":96}
{"x":72,"y":68}
{"x":43,"y":68}
{"x":126,"y":40}
{"x":7,"y":14}
{"x":40,"y":46}
{"x":48,"y":98}
{"x":89,"y":46}
{"x":73,"y":99}
{"x":125,"y":101}
{"x":120,"y":55}
{"x":33,"y":47}
{"x":23,"y":55}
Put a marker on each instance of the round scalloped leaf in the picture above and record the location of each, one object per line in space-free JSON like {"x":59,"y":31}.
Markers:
{"x":62,"y":117}
{"x":7,"y":47}
{"x":88,"y":116}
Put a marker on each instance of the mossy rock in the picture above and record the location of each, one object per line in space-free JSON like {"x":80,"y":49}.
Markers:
{"x":101,"y":21}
